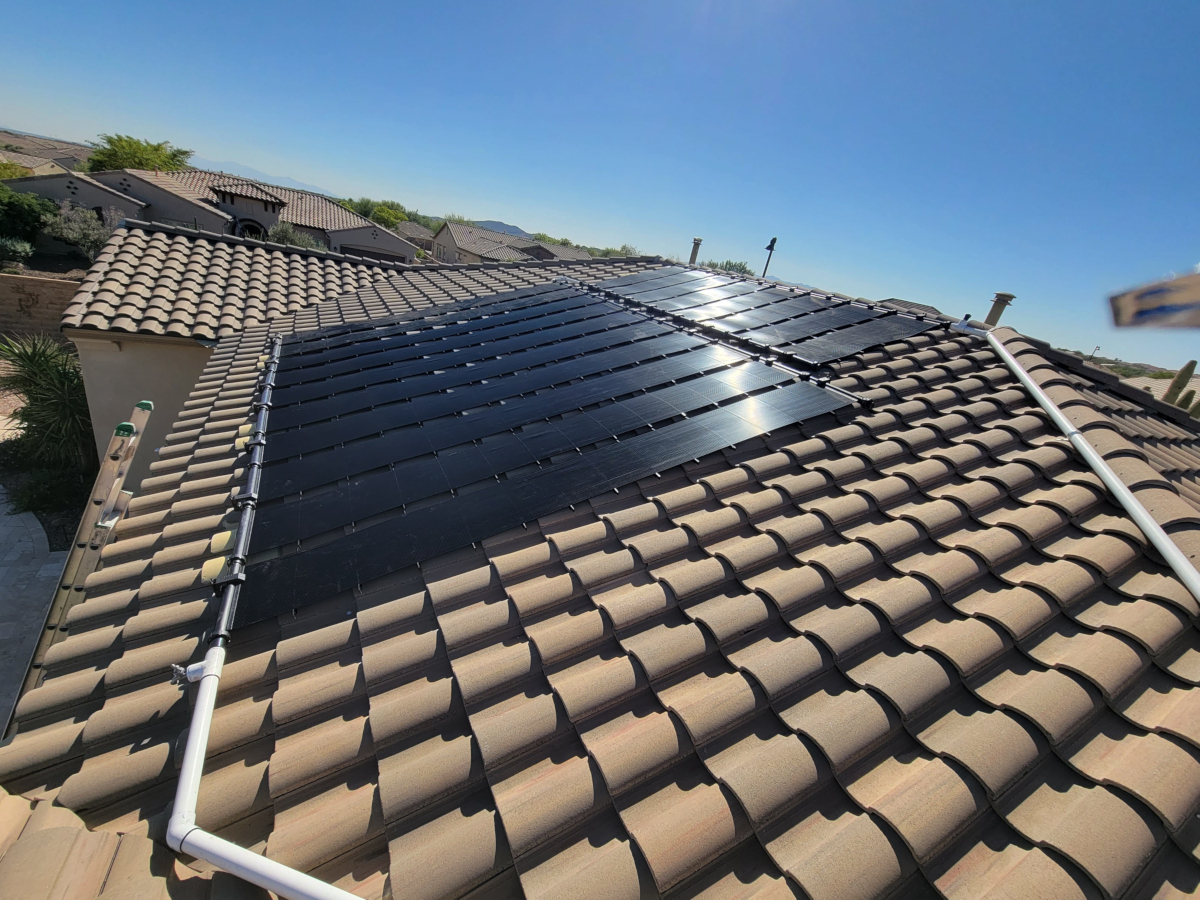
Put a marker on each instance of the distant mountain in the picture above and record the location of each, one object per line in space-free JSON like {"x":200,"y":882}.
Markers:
{"x":234,"y":168}
{"x":503,"y":228}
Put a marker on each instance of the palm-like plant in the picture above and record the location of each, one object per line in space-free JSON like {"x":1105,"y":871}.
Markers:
{"x":56,"y":428}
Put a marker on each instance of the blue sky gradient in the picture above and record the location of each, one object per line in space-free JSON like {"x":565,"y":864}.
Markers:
{"x":934,"y":151}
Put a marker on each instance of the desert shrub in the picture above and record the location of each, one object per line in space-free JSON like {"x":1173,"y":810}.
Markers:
{"x":286,"y":233}
{"x":82,"y":228}
{"x":14,"y":250}
{"x":55,"y":426}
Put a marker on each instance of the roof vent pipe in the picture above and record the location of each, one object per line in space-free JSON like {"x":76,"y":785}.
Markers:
{"x":1002,"y":300}
{"x":695,"y":250}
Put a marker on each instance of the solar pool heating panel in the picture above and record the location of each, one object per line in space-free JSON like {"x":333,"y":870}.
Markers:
{"x":277,"y":586}
{"x":846,"y":342}
{"x":363,"y":354}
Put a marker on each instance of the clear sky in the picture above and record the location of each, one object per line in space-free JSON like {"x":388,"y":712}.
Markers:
{"x":933,"y":151}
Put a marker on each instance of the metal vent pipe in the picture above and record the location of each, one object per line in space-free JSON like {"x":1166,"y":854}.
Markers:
{"x":695,"y":250}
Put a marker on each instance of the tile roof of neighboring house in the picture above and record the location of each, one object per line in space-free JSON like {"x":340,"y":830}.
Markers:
{"x":50,"y":148}
{"x":22,"y":159}
{"x":157,"y":279}
{"x":244,"y":188}
{"x":305,"y":208}
{"x":413,"y":230}
{"x":917,"y":648}
{"x":167,"y":183}
{"x":482,"y":241}
{"x":504,"y":253}
{"x":1158,"y":386}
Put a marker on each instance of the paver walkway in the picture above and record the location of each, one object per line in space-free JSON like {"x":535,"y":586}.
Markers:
{"x":28,"y":575}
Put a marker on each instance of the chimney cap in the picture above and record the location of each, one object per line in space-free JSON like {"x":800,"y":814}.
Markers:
{"x":697,"y":240}
{"x":1005,"y":296}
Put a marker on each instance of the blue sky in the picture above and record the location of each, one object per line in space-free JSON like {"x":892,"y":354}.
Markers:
{"x":934,"y":151}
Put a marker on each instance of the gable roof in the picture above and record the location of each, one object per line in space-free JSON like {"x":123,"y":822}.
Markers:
{"x":164,"y":181}
{"x":133,"y":202}
{"x":21,"y":159}
{"x":484,"y":241}
{"x":163,"y":280}
{"x":305,"y":208}
{"x":910,"y":646}
{"x":413,"y":230}
{"x":244,"y":188}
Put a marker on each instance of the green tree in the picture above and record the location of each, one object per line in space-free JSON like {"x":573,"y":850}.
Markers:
{"x":286,"y":233}
{"x":734,"y":267}
{"x":23,"y":216}
{"x":121,"y":151}
{"x":388,"y":216}
{"x":1179,"y":382}
{"x":461,"y":220}
{"x":364,"y":206}
{"x":12,"y":170}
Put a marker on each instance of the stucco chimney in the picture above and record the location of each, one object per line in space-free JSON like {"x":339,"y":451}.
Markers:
{"x":695,"y":250}
{"x":1002,"y":300}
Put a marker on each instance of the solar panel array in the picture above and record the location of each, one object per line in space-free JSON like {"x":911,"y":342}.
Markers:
{"x":814,"y":328}
{"x":396,"y":440}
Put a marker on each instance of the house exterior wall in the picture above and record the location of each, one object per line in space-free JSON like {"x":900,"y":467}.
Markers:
{"x":367,"y":240}
{"x":444,"y":248}
{"x":77,"y":190}
{"x":163,"y":205}
{"x":33,"y":305}
{"x":248,"y":210}
{"x":49,"y":167}
{"x":120,"y":369}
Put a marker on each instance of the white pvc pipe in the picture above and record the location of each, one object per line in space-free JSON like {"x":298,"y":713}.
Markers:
{"x":1174,"y":557}
{"x":184,"y":836}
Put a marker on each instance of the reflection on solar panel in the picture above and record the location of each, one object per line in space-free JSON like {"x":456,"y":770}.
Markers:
{"x":398,"y":439}
{"x":812,"y":328}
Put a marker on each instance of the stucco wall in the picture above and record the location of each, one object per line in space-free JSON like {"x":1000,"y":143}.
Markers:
{"x":367,"y":240}
{"x":163,"y":205}
{"x":78,"y":191}
{"x":120,"y":370}
{"x":31,"y":305}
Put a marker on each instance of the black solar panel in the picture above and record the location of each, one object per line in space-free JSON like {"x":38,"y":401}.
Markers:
{"x":279,"y":585}
{"x":533,"y":399}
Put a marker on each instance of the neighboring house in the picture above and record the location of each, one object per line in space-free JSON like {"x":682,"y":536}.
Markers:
{"x":256,"y":206}
{"x":417,"y":234}
{"x":148,"y":312}
{"x":551,"y":595}
{"x":35,"y":164}
{"x":80,"y":189}
{"x":213,"y":201}
{"x":69,"y":155}
{"x":456,"y":242}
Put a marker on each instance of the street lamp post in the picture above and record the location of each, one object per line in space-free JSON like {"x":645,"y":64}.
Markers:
{"x":770,"y":248}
